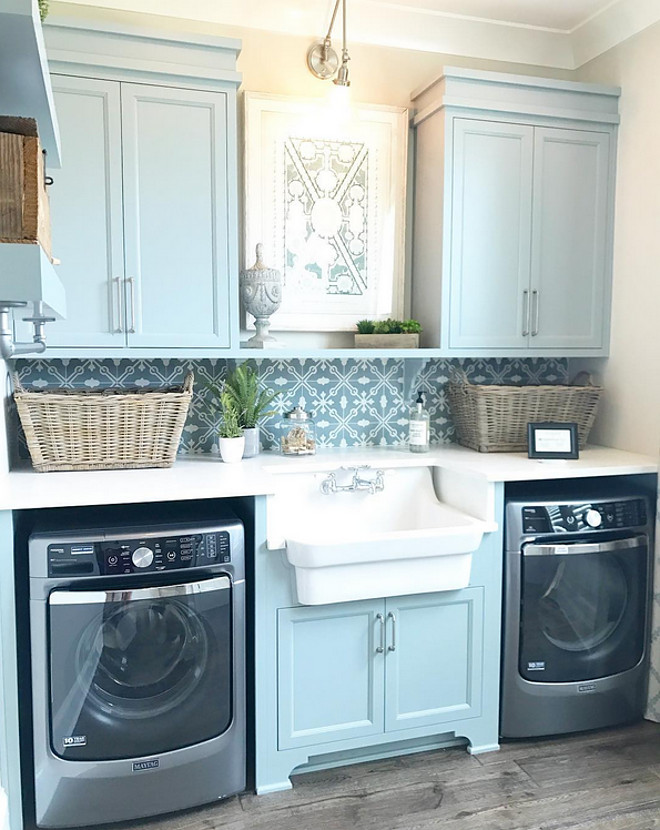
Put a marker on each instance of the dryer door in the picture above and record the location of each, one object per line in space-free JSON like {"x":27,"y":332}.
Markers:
{"x":139,"y":672}
{"x":582,"y":609}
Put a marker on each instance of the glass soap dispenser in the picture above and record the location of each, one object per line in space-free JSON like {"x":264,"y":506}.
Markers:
{"x":419,"y":426}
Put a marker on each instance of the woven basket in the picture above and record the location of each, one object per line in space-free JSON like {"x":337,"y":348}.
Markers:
{"x":494,"y":418}
{"x":103,"y":430}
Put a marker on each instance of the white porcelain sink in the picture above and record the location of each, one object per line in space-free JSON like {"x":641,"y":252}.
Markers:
{"x":358,"y":545}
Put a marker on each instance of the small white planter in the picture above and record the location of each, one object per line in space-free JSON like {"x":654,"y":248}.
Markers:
{"x":231,"y":449}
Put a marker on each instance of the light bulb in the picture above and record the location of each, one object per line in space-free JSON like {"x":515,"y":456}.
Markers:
{"x":339,"y":100}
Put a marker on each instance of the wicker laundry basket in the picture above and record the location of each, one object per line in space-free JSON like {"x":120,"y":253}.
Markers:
{"x":103,"y":430}
{"x":494,"y":418}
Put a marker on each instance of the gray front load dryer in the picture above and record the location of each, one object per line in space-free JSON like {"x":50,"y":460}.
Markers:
{"x":576,"y":613}
{"x":138,"y":670}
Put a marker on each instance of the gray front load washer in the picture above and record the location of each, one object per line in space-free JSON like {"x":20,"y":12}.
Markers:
{"x":138,"y":670}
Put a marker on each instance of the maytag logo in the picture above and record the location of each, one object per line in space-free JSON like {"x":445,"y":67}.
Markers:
{"x":75,"y":740}
{"x":587,"y":687}
{"x":153,"y":763}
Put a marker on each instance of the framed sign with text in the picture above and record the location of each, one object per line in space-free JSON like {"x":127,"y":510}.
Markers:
{"x":552,"y":440}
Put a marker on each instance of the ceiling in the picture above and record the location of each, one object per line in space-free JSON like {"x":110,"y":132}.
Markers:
{"x":554,"y":33}
{"x":564,"y":15}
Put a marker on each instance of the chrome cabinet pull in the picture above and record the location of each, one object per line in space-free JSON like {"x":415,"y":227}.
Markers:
{"x":525,"y":324}
{"x":392,"y":645}
{"x":131,"y":285}
{"x":120,"y":305}
{"x":381,"y":648}
{"x":536,"y":302}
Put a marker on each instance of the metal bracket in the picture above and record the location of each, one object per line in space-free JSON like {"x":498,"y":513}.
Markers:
{"x":8,"y":347}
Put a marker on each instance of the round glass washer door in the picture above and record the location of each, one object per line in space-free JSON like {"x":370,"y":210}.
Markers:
{"x":136,"y":672}
{"x":583,"y":604}
{"x":149,"y":657}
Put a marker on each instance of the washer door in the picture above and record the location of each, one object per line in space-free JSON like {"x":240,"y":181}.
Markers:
{"x":583,"y":609}
{"x":140,"y":672}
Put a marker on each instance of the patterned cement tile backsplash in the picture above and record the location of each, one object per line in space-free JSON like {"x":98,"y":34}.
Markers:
{"x":356,"y":402}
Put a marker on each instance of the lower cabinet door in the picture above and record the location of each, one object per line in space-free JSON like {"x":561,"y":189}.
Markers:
{"x":433,"y":669}
{"x":330,"y":674}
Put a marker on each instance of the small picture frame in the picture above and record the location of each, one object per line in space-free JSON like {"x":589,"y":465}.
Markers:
{"x":552,"y":440}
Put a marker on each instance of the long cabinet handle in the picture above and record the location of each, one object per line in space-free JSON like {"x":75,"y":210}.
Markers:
{"x":536,"y":302}
{"x":392,"y":645}
{"x":131,"y":285}
{"x":381,"y":648}
{"x":525,"y":314}
{"x":120,"y":305}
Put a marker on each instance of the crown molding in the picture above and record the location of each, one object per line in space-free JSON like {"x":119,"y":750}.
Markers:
{"x":388,"y":23}
{"x":614,"y":24}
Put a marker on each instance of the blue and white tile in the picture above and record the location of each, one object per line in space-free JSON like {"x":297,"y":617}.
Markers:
{"x":355,"y":402}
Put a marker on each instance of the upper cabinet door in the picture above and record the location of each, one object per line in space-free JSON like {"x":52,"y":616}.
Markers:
{"x":491,"y":212}
{"x":176,"y":215}
{"x":571,"y":238}
{"x":86,"y":212}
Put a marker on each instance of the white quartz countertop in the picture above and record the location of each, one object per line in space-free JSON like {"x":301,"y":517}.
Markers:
{"x":205,"y":477}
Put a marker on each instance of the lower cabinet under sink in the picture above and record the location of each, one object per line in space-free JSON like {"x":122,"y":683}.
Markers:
{"x":365,"y":663}
{"x":379,"y":666}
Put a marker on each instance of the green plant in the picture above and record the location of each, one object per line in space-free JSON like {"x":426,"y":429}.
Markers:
{"x":411,"y":327}
{"x":389,"y":326}
{"x":230,"y":426}
{"x":252,"y":404}
{"x":43,"y":9}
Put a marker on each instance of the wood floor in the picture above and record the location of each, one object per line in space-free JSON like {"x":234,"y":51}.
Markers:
{"x":608,"y":780}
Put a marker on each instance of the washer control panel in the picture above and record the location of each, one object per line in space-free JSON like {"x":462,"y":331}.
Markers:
{"x":583,"y":517}
{"x":139,"y":555}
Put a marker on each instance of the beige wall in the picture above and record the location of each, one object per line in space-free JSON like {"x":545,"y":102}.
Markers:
{"x":273,"y":62}
{"x":630,"y":414}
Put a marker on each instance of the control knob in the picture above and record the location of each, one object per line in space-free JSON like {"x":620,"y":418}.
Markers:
{"x":593,"y":518}
{"x":142,"y":557}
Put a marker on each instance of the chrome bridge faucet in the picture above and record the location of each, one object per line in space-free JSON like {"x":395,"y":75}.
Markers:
{"x":361,"y":481}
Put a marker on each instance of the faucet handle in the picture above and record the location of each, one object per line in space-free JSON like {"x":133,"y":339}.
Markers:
{"x":329,"y":484}
{"x":39,"y":319}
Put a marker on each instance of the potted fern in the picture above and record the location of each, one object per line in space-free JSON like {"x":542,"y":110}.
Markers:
{"x":231,"y":438}
{"x":253,"y":404}
{"x":388,"y":334}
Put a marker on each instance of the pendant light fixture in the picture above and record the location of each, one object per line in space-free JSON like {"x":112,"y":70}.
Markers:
{"x":322,"y":59}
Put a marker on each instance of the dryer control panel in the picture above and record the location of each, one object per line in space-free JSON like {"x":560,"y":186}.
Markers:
{"x":138,"y":555}
{"x":583,"y":517}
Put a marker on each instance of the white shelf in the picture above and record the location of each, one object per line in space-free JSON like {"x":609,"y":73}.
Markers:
{"x":25,"y":87}
{"x":26,"y":274}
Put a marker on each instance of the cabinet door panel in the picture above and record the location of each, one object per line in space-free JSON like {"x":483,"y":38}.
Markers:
{"x":176,"y":215}
{"x":490,"y":234}
{"x":330,"y":676}
{"x":86,"y":211}
{"x":435,"y":673}
{"x":570,"y":238}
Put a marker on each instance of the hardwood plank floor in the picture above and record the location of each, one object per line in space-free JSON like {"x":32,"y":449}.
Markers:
{"x":606,"y":780}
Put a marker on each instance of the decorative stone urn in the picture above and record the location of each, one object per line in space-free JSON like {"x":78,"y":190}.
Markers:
{"x":261,"y":293}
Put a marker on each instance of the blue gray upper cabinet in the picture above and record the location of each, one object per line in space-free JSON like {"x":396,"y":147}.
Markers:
{"x":513,"y":214}
{"x":86,"y":212}
{"x":144,"y":207}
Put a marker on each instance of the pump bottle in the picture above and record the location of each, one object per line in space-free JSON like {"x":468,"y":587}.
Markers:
{"x":418,"y":426}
